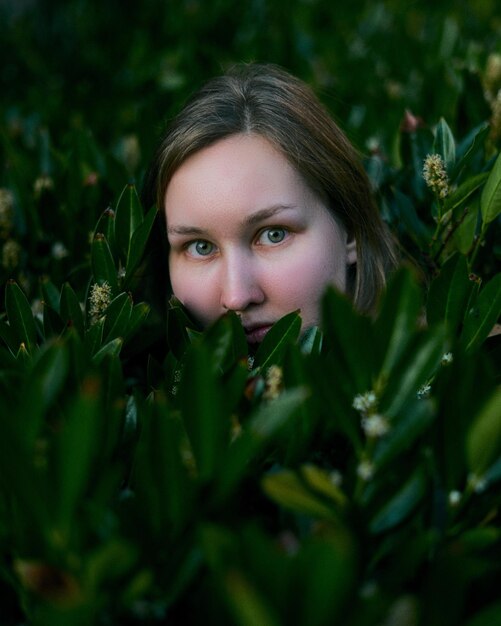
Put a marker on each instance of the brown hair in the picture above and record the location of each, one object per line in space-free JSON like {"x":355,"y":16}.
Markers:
{"x":268,"y":101}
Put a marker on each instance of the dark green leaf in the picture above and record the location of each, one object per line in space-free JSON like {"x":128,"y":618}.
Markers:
{"x":111,"y":349}
{"x":397,"y":320}
{"x":20,"y":316}
{"x":117,"y":317}
{"x":482,"y":315}
{"x":490,"y":201}
{"x":139,"y":240}
{"x":484,"y":438}
{"x":206,"y":423}
{"x":444,"y":144}
{"x":449,"y":293}
{"x":103,"y":265}
{"x":70,"y":309}
{"x":283,"y":332}
{"x":128,"y":218}
{"x":401,"y":504}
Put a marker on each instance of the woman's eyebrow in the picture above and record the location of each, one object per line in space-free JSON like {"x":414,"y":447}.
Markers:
{"x":265,"y":214}
{"x":185,"y":230}
{"x":254,"y":218}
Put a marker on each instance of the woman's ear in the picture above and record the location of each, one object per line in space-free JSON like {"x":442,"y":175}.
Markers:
{"x":351,"y":251}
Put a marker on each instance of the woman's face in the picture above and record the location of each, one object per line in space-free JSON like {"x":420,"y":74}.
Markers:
{"x":247,"y":234}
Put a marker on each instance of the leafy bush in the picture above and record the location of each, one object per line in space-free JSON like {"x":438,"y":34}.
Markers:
{"x":152,"y":473}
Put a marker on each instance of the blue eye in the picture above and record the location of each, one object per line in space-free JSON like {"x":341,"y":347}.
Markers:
{"x":200,"y":248}
{"x":272,"y":236}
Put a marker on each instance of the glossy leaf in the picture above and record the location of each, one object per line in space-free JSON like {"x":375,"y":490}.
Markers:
{"x":400,"y":505}
{"x":128,"y":218}
{"x":76,"y":451}
{"x":139,"y":240}
{"x":206,"y":424}
{"x":397,"y":320}
{"x":117,"y":317}
{"x":449,"y":293}
{"x":138,"y":316}
{"x":20,"y":316}
{"x":287,"y":489}
{"x":284,"y":331}
{"x":103,"y":265}
{"x":444,"y":144}
{"x":111,"y":349}
{"x":490,"y":201}
{"x":482,"y":315}
{"x":484,"y":437}
{"x":70,"y":309}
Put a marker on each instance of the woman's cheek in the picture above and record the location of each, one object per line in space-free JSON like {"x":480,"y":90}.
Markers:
{"x":197,"y":294}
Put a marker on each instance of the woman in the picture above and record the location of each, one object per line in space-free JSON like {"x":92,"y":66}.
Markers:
{"x":265,"y":203}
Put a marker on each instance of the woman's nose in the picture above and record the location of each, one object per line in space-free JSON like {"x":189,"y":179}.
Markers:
{"x":240,"y":286}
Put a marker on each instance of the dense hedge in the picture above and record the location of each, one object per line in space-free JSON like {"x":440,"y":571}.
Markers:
{"x":154,"y":474}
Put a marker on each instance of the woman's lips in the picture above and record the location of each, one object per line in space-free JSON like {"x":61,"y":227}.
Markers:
{"x":256,"y":334}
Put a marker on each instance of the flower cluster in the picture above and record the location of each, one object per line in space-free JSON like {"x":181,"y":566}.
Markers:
{"x":435,"y":175}
{"x":11,"y":254}
{"x":274,"y":382}
{"x":6,"y":212}
{"x":100,"y":299}
{"x":373,"y":423}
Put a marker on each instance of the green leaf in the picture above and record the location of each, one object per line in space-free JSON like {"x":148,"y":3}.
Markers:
{"x":103,"y":266}
{"x":117,"y":317}
{"x":226,"y":341}
{"x":249,"y":606}
{"x":47,"y":378}
{"x":311,"y":341}
{"x":283,"y":332}
{"x":9,"y":337}
{"x":405,"y":429}
{"x":483,"y":442}
{"x":106,"y":226}
{"x":177,"y":324}
{"x":160,"y":474}
{"x":474,"y":146}
{"x":465,"y":233}
{"x":397,"y":320}
{"x":77,"y":451}
{"x":487,"y":616}
{"x":138,"y":316}
{"x":288,"y":490}
{"x":202,"y":410}
{"x":262,"y":426}
{"x":490,"y":200}
{"x":53,"y":325}
{"x":444,"y":144}
{"x":449,"y":293}
{"x":482,"y":316}
{"x":401,"y":504}
{"x":20,"y":316}
{"x":406,"y":211}
{"x":417,"y":364}
{"x":138,"y":243}
{"x":94,"y":337}
{"x":50,"y":294}
{"x":70,"y":309}
{"x":128,"y":218}
{"x":111,"y":349}
{"x":347,"y":335}
{"x":464,"y":192}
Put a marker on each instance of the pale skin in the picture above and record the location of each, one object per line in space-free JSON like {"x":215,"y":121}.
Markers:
{"x":247,"y":234}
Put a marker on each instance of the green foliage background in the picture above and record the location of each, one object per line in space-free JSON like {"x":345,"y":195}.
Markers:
{"x":150,"y":473}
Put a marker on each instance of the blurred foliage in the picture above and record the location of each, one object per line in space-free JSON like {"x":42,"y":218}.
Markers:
{"x":151,"y":473}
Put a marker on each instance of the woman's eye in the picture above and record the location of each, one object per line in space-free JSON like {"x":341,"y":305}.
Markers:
{"x":200,"y":248}
{"x":272,"y":235}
